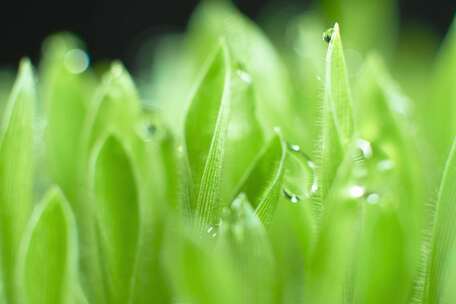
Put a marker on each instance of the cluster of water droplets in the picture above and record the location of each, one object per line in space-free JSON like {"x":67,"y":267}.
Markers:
{"x":367,"y":178}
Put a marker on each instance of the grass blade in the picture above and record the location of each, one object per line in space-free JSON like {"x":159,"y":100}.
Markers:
{"x":206,"y":126}
{"x":116,"y":210}
{"x":48,"y":269}
{"x":439,"y":266}
{"x":337,"y":129}
{"x":16,"y":172}
{"x":244,"y":130}
{"x":66,"y":94}
{"x":197,"y":273}
{"x":244,"y":237}
{"x":250,"y":47}
{"x":263,"y":185}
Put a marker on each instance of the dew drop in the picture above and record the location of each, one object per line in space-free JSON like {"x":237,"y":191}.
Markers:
{"x":356,"y":191}
{"x":291,"y":196}
{"x":294,"y":148}
{"x":373,"y":198}
{"x":314,"y":187}
{"x":209,"y":230}
{"x":244,"y":76}
{"x":385,"y":165}
{"x":76,"y":61}
{"x":327,"y":35}
{"x":365,"y":147}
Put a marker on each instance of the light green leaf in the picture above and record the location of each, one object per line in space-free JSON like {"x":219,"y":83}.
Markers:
{"x":244,"y":131}
{"x":337,"y":128}
{"x":48,"y":268}
{"x":384,"y":124}
{"x":116,"y":209}
{"x":206,"y":126}
{"x":250,"y":47}
{"x":16,"y":172}
{"x":197,"y":274}
{"x":263,"y":185}
{"x":244,"y":237}
{"x":332,"y":271}
{"x":115,"y":108}
{"x":439,"y":263}
{"x":66,"y":91}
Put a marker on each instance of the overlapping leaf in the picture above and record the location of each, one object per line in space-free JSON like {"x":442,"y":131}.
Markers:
{"x":206,"y":128}
{"x":48,"y":268}
{"x":263,"y":185}
{"x":117,"y":217}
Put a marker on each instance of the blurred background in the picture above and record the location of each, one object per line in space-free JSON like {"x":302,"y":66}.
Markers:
{"x":115,"y":29}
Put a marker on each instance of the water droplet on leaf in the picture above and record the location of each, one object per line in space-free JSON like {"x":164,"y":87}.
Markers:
{"x":373,"y":198}
{"x":385,"y":165}
{"x":76,"y":61}
{"x":327,"y":35}
{"x":356,"y":191}
{"x":365,"y":147}
{"x":291,"y":196}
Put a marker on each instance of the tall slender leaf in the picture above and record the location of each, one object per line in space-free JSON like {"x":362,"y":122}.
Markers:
{"x":16,"y":172}
{"x":116,"y":209}
{"x":337,"y":120}
{"x":66,"y":91}
{"x":206,"y":126}
{"x":439,"y":265}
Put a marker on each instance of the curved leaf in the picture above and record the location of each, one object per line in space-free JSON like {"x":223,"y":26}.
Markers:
{"x":263,"y":185}
{"x":48,"y":268}
{"x":206,"y":126}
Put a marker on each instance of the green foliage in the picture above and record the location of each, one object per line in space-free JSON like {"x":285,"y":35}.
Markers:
{"x":290,"y":170}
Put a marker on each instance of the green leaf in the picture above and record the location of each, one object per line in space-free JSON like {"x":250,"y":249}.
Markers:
{"x":251,"y":48}
{"x":66,"y":92}
{"x":440,"y":247}
{"x":263,"y":185}
{"x":244,"y":131}
{"x":206,"y":126}
{"x":196,"y":273}
{"x":337,"y":129}
{"x":116,"y":209}
{"x":384,"y":123}
{"x":115,"y":109}
{"x":48,"y":268}
{"x":244,"y":237}
{"x":382,"y":264}
{"x":16,"y":172}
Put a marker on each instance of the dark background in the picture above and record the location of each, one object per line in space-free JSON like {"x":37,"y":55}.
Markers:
{"x":111,"y":28}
